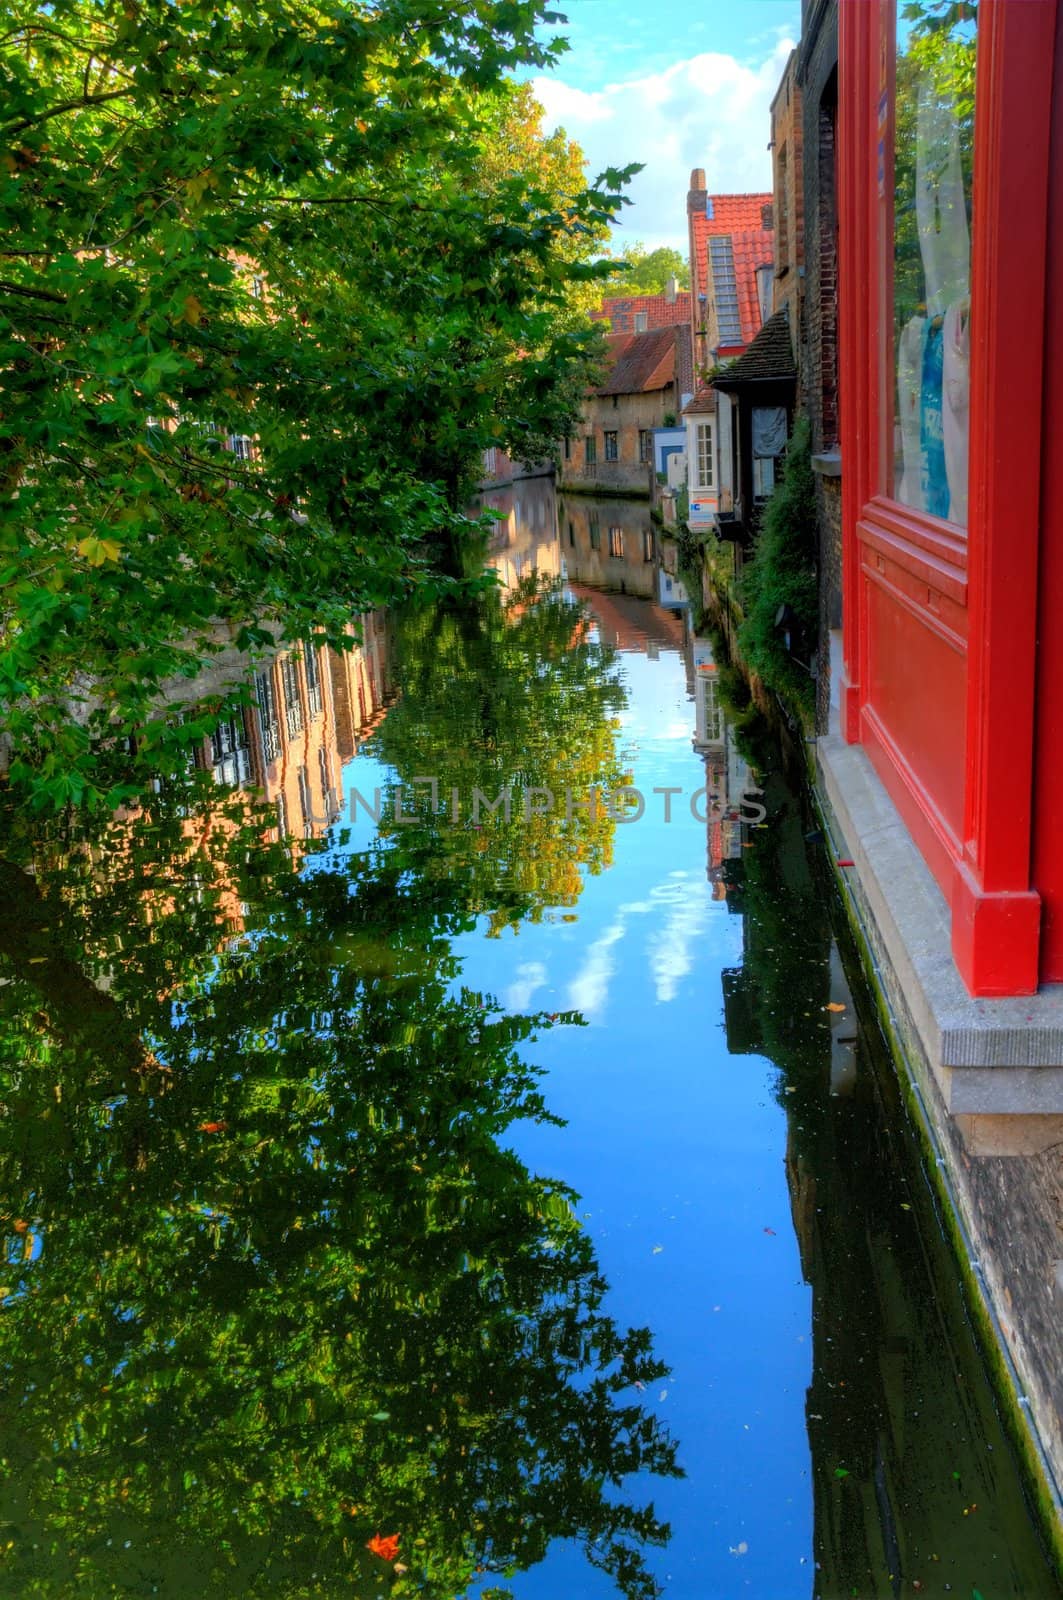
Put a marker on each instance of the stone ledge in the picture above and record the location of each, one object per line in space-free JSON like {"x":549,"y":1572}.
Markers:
{"x":989,"y":1057}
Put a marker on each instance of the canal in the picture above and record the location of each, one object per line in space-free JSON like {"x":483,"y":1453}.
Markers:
{"x":447,"y":1147}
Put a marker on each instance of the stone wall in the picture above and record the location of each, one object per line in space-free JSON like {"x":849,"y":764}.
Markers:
{"x":630,"y":414}
{"x":1004,"y":1170}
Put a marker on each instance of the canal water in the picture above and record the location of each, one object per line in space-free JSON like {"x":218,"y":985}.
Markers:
{"x":446,"y":1147}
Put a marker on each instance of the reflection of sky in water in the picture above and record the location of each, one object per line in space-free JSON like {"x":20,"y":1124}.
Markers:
{"x":677,"y":1150}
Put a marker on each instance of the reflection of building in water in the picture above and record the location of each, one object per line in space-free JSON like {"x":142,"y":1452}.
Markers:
{"x":525,"y":540}
{"x":729,"y":779}
{"x":627,"y":623}
{"x":310,"y":709}
{"x":609,"y":544}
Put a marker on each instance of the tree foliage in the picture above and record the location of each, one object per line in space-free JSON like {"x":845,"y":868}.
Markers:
{"x":648,"y":271}
{"x":782,"y":573}
{"x":276,"y":224}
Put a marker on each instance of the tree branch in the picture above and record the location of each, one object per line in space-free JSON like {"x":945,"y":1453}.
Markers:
{"x":32,"y":294}
{"x":67,"y":105}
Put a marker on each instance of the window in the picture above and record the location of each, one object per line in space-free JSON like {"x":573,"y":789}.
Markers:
{"x":706,"y":460}
{"x":268,"y":725}
{"x":645,"y":446}
{"x":595,"y":531}
{"x":306,"y":805}
{"x":591,"y":450}
{"x":642,"y":321}
{"x":763,"y":476}
{"x":647,"y":544}
{"x":722,"y":269}
{"x":611,"y":451}
{"x":258,"y":288}
{"x":240,"y":445}
{"x":230,"y":753}
{"x":616,"y":543}
{"x":568,"y":447}
{"x":572,"y":533}
{"x":293,"y":700}
{"x":312,"y":669}
{"x":328,"y":797}
{"x":932,"y":161}
{"x":768,"y":432}
{"x":765,"y":281}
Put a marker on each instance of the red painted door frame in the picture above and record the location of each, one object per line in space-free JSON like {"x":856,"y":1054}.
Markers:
{"x":940,"y":624}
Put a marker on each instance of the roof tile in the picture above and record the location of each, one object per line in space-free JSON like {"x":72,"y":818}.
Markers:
{"x":640,"y":362}
{"x":741,"y":217}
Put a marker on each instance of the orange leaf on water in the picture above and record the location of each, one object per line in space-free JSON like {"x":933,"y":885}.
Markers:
{"x":386,"y":1546}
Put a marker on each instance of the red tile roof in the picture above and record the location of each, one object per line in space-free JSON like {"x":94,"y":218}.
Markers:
{"x":639,"y":362}
{"x":704,"y":402}
{"x":621,"y":310}
{"x":739,"y":217}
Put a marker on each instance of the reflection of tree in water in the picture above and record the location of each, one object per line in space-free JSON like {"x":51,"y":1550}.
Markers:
{"x":504,"y":691}
{"x":273,"y":1285}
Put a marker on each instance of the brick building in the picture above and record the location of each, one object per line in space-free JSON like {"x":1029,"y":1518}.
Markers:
{"x":788,"y":207}
{"x":817,"y":78}
{"x":731,"y":270}
{"x":643,"y":313}
{"x":731,"y":266}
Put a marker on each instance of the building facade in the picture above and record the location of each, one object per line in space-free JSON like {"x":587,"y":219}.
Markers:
{"x":640,"y":393}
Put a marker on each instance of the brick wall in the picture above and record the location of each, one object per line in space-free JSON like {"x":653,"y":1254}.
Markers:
{"x":817,"y":71}
{"x":787,"y":139}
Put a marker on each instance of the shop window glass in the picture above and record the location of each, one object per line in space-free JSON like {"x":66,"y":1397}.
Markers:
{"x":933,"y":154}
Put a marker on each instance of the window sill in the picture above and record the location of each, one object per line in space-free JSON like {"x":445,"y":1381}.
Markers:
{"x":828,"y":464}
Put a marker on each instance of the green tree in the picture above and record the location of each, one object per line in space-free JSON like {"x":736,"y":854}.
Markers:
{"x":645,"y":271}
{"x":266,"y":224}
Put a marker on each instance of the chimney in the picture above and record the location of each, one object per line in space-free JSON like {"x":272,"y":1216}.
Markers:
{"x":696,"y":196}
{"x":671,"y":289}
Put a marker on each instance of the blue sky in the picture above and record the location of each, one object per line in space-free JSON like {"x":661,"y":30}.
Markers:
{"x":675,"y":84}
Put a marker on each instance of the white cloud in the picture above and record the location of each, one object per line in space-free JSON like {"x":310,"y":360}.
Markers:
{"x":710,"y":110}
{"x":589,"y":989}
{"x":528,"y":978}
{"x":672,"y":953}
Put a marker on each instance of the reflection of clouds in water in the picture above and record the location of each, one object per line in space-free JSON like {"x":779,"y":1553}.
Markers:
{"x":684,"y":898}
{"x":529,"y":976}
{"x":672,"y":955}
{"x":589,"y":989}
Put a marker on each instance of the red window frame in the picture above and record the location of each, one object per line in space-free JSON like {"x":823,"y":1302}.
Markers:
{"x":940,"y":627}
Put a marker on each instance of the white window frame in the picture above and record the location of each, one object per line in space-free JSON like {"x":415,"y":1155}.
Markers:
{"x":705,"y":454}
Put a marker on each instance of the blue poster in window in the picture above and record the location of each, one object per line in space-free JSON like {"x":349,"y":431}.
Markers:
{"x":935,"y":480}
